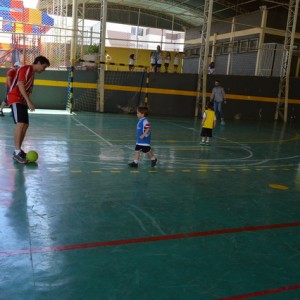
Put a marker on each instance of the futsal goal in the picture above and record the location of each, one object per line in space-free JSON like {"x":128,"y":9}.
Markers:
{"x":124,"y":91}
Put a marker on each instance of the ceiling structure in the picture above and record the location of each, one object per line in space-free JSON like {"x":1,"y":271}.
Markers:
{"x":167,"y":14}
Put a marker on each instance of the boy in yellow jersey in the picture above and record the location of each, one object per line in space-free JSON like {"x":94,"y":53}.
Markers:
{"x":208,"y":123}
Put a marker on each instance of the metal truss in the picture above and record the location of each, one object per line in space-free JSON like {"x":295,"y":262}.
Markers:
{"x":283,"y":92}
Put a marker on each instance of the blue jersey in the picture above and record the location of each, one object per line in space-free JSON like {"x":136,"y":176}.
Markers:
{"x":142,"y":125}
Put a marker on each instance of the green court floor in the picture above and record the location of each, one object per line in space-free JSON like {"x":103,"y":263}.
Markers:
{"x":208,"y":222}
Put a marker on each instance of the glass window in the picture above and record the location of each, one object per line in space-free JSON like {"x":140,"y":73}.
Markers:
{"x":253,"y":44}
{"x":133,"y":30}
{"x":225,"y":48}
{"x":218,"y":48}
{"x":243,"y":46}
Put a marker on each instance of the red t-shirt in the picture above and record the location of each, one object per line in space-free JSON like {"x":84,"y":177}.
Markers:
{"x":11,"y":73}
{"x":24,"y":74}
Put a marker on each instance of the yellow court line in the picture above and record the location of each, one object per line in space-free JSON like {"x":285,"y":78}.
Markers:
{"x":203,"y":170}
{"x":190,"y":149}
{"x":278,"y":186}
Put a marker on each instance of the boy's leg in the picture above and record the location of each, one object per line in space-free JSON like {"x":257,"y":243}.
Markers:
{"x":135,"y":163}
{"x":153,"y":158}
{"x":137,"y":156}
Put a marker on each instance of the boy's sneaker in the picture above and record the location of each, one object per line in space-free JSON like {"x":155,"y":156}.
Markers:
{"x":1,"y":114}
{"x":19,"y":158}
{"x":153,"y":162}
{"x":133,"y":164}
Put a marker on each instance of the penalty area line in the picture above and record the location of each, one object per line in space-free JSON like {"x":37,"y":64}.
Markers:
{"x":95,"y":133}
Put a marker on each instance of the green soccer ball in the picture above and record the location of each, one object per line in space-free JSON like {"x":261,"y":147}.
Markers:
{"x":32,"y":156}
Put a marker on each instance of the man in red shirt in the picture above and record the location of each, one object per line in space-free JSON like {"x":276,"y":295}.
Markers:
{"x":19,"y":101}
{"x":9,"y":78}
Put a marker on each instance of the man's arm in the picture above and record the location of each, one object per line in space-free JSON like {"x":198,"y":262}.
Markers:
{"x":25,"y":96}
{"x":224,"y":95}
{"x":212,"y":96}
{"x":9,"y":81}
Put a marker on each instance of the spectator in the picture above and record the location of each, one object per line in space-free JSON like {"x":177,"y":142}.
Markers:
{"x":211,"y":68}
{"x":167,"y":61}
{"x":131,"y":62}
{"x":9,"y":78}
{"x":176,"y":62}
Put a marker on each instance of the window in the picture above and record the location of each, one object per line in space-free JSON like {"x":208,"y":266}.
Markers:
{"x":218,"y":48}
{"x":253,"y":44}
{"x":243,"y":46}
{"x":137,"y":31}
{"x":225,"y":48}
{"x":235,"y":46}
{"x":196,"y":51}
{"x":187,"y":52}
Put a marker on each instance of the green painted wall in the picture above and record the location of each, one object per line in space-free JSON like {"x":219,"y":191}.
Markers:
{"x":168,"y":94}
{"x":45,"y":96}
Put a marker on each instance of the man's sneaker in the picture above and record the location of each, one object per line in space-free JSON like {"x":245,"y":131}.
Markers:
{"x":133,"y":164}
{"x":153,"y":162}
{"x":19,"y":158}
{"x":22,"y":154}
{"x":1,"y":114}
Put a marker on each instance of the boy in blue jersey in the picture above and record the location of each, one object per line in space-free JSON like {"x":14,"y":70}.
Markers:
{"x":143,"y":138}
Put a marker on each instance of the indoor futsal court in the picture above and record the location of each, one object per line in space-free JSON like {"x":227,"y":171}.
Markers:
{"x":208,"y":222}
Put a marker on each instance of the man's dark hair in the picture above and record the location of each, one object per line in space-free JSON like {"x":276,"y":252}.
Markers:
{"x":42,"y":60}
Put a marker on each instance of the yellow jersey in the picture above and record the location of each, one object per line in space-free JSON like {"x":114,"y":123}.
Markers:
{"x":209,"y":116}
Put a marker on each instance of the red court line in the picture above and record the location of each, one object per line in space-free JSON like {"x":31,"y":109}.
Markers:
{"x":263,"y":293}
{"x":149,"y":239}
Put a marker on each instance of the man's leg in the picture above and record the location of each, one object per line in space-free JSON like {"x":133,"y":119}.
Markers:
{"x":19,"y":135}
{"x":216,"y":108}
{"x":1,"y":108}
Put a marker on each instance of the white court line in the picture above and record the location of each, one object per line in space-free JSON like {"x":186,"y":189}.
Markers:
{"x":95,"y":133}
{"x":241,"y":146}
{"x":45,"y":111}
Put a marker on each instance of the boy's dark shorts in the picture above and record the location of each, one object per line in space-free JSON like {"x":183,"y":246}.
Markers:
{"x":144,"y":149}
{"x":20,"y":113}
{"x":207,"y":132}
